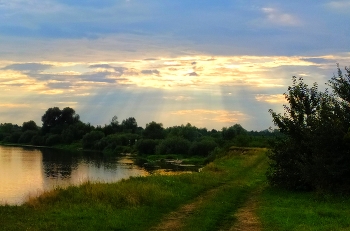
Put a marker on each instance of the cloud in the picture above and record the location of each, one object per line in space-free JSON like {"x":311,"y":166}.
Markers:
{"x":178,"y":98}
{"x":221,"y":116}
{"x":12,"y":105}
{"x":343,"y":5}
{"x":193,"y":74}
{"x":150,"y":72}
{"x":88,"y":3}
{"x":106,"y":67}
{"x":274,"y":99}
{"x":277,"y":17}
{"x":28,"y":67}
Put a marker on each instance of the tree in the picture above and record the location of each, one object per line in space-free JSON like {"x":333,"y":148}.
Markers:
{"x":129,"y":125}
{"x":173,"y":145}
{"x":55,"y":119}
{"x":30,"y":125}
{"x":233,"y":131}
{"x":154,"y":130}
{"x":314,"y":152}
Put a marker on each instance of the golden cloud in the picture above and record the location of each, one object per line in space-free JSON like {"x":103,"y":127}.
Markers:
{"x":221,"y":116}
{"x":275,"y":99}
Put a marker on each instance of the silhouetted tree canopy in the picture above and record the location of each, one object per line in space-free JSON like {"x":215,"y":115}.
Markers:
{"x":154,"y":130}
{"x":56,"y":118}
{"x":314,"y":153}
{"x":30,"y":125}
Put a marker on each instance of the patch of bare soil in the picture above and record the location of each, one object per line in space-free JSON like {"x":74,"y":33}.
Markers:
{"x":173,"y":221}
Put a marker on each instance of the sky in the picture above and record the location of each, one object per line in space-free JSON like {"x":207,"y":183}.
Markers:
{"x":211,"y":63}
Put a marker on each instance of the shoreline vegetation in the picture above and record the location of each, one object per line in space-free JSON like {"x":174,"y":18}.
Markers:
{"x":208,"y":200}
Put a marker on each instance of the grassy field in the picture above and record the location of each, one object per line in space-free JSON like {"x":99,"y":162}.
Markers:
{"x":209,"y":200}
{"x":300,"y":211}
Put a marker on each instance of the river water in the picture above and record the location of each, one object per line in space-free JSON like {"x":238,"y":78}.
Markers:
{"x":27,"y":172}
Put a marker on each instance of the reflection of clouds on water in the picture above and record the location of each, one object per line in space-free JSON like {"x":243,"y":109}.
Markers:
{"x":20,"y":173}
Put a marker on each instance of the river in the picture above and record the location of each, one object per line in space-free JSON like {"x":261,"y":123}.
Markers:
{"x":27,"y":172}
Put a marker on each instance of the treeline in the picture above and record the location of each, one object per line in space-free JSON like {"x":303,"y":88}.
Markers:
{"x":64,"y":127}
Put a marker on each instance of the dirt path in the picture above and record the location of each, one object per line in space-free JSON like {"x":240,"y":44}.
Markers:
{"x":247,"y":219}
{"x":246,"y":216}
{"x":173,"y":221}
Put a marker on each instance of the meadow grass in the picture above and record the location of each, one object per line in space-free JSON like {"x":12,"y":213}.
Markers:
{"x":286,"y":211}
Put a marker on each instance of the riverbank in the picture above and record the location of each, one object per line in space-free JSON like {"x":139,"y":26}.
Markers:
{"x":210,"y":200}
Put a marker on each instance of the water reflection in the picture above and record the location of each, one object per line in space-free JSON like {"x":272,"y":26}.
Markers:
{"x":28,"y":171}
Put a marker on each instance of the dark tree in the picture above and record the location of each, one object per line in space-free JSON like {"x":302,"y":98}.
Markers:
{"x":233,"y":131}
{"x":129,"y":125}
{"x":30,"y":125}
{"x":154,"y":130}
{"x":55,"y":119}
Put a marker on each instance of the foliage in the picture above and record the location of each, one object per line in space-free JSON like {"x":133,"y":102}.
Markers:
{"x":13,"y":137}
{"x":154,"y":130}
{"x":56,"y":118}
{"x":90,"y":139}
{"x":53,"y":139}
{"x":129,"y":125}
{"x":63,"y":127}
{"x":146,"y":146}
{"x":202,"y":147}
{"x":188,"y":132}
{"x":173,"y":145}
{"x":233,"y":131}
{"x":30,"y":125}
{"x":27,"y":136}
{"x":314,"y":154}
